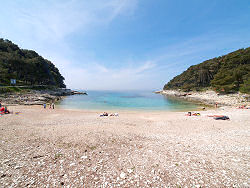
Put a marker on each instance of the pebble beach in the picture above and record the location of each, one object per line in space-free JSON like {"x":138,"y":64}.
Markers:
{"x":77,"y":148}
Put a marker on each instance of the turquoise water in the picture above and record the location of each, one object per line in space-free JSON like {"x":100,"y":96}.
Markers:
{"x":125,"y":100}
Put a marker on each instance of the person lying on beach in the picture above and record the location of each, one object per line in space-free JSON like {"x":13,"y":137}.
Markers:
{"x":104,"y":114}
{"x":115,"y":114}
{"x":222,"y":118}
{"x":215,"y":115}
{"x":219,"y":117}
{"x":194,"y":114}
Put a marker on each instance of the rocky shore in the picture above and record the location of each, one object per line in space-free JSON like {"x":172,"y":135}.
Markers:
{"x":210,"y":97}
{"x":36,"y":97}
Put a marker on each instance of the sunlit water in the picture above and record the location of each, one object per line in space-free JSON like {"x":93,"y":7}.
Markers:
{"x":125,"y":100}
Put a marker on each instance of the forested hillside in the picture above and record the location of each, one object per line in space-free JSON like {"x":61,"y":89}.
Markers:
{"x":228,"y":73}
{"x":27,"y":67}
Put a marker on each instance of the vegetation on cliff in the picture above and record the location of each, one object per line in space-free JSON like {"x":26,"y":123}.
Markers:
{"x":228,"y":73}
{"x":27,"y":67}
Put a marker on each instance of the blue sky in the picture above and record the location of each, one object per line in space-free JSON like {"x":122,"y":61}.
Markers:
{"x":126,"y":44}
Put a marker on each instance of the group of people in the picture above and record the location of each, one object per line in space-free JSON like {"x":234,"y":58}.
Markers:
{"x":3,"y":109}
{"x":106,"y":114}
{"x":51,"y":105}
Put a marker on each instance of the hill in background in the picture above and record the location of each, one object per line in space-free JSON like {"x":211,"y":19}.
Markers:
{"x":27,"y":67}
{"x":229,"y":73}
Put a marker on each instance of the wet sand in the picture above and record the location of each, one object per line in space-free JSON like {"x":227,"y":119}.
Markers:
{"x":77,"y":148}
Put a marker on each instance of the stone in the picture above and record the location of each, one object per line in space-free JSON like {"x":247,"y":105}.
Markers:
{"x":84,"y":157}
{"x":122,"y":175}
{"x":130,"y":170}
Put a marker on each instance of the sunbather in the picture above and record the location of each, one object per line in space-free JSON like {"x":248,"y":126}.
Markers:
{"x":115,"y":114}
{"x":222,"y":118}
{"x":6,"y":111}
{"x":104,"y":114}
{"x":194,"y":114}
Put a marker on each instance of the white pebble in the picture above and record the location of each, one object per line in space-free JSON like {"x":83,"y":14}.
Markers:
{"x":122,"y":175}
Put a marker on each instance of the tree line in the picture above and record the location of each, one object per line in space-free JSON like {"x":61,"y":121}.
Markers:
{"x":27,"y":67}
{"x":226,"y":74}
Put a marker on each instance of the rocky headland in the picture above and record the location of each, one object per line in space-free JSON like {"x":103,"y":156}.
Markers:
{"x":210,"y":97}
{"x":36,"y":97}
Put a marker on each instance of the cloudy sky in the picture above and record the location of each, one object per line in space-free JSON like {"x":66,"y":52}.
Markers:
{"x":125,"y":44}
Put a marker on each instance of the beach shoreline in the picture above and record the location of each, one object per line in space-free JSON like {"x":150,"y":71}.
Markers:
{"x":210,"y":97}
{"x":46,"y":147}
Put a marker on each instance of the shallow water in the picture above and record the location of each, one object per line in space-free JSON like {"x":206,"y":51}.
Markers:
{"x":125,"y":100}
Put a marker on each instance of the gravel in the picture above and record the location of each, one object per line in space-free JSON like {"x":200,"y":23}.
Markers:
{"x":74,"y":148}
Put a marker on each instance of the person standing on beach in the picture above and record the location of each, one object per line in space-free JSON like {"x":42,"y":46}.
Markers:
{"x":53,"y":105}
{"x":44,"y":105}
{"x":216,"y":105}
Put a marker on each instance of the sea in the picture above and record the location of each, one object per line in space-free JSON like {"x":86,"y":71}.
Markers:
{"x":125,"y":100}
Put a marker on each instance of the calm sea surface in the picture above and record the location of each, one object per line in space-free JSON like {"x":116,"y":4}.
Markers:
{"x":125,"y":100}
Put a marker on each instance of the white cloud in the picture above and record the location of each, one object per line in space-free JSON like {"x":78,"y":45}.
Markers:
{"x":97,"y":76}
{"x":119,"y":7}
{"x":54,"y":20}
